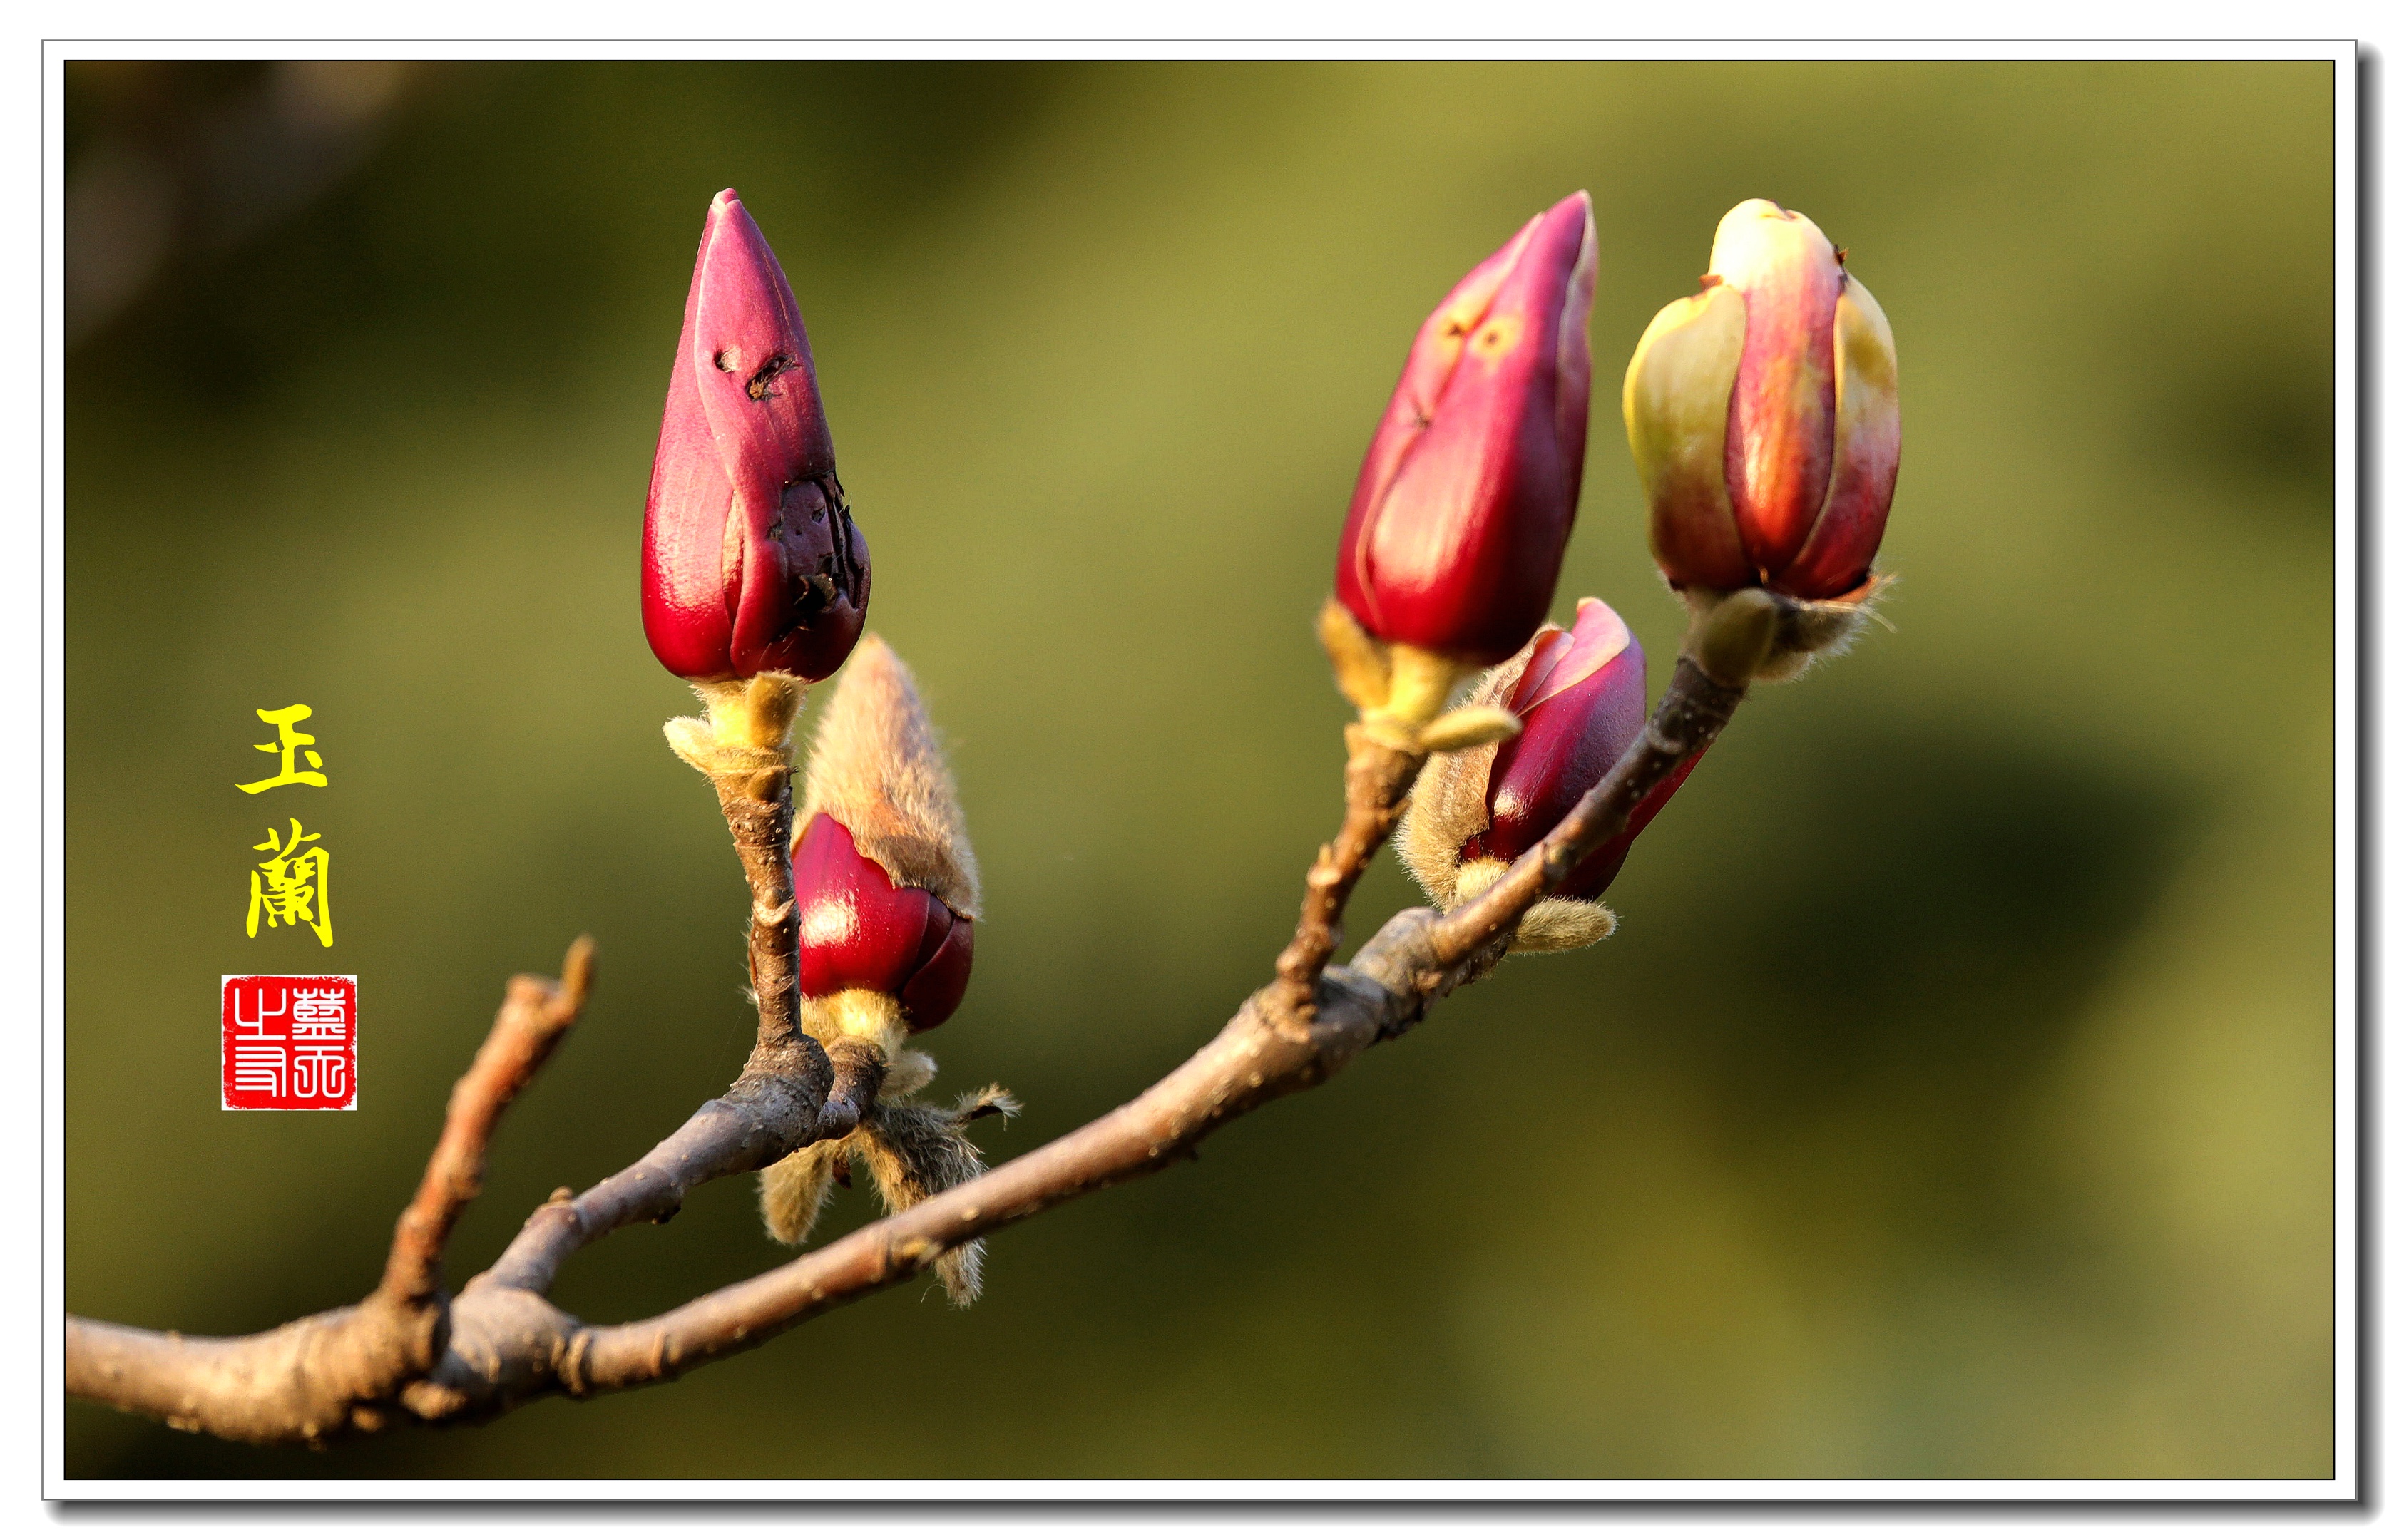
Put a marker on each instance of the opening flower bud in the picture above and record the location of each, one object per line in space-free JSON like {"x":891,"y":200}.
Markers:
{"x":1580,"y":695}
{"x":1461,"y":513}
{"x":1763,"y":414}
{"x":1582,"y":700}
{"x":750,"y":559}
{"x":859,"y":929}
{"x":881,"y":870}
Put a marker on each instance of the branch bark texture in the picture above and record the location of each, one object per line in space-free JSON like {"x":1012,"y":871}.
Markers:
{"x":407,"y":1351}
{"x":1374,"y":785}
{"x":758,"y":810}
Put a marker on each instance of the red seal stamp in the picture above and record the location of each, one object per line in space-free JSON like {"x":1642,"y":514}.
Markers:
{"x":291,"y":1041}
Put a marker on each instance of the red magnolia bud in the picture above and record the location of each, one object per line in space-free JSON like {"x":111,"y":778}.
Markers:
{"x":1764,"y":416}
{"x":749,"y":560}
{"x":861,"y":930}
{"x":1462,"y":510}
{"x":1581,"y":698}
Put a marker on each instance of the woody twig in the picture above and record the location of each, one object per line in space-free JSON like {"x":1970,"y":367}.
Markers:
{"x":342,"y":1372}
{"x":744,"y":748}
{"x":1374,"y":785}
{"x":776,"y":1104}
{"x":532,"y":1022}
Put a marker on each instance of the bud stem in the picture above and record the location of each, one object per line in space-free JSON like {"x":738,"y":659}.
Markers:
{"x":1725,"y":637}
{"x":1732,"y":637}
{"x":1400,"y":692}
{"x":858,"y":1067}
{"x":865,"y":1038}
{"x":758,"y":810}
{"x":756,"y":712}
{"x":1420,"y":682}
{"x":744,"y":748}
{"x":1376,"y":782}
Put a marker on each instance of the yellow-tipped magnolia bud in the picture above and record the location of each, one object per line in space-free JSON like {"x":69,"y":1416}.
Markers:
{"x":1763,"y":414}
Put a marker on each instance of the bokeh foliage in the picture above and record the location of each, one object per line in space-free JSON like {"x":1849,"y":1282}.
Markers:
{"x":1955,"y":1100}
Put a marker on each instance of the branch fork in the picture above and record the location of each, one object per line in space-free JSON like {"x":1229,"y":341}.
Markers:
{"x":409,"y":1352}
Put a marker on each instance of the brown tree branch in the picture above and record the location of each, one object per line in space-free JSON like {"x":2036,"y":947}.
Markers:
{"x":766,"y":1115}
{"x":758,"y":810}
{"x":341,"y":1371}
{"x":1266,"y":1051}
{"x":776,"y":1105}
{"x":507,"y":1345}
{"x":1374,"y":784}
{"x":304,"y":1382}
{"x":533,"y":1020}
{"x":1258,"y":1057}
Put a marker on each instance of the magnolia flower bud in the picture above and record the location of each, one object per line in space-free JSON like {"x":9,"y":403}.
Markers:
{"x":1460,"y":517}
{"x":1580,"y":696}
{"x":750,"y":561}
{"x":881,"y":872}
{"x":1764,"y":416}
{"x":886,"y":889}
{"x":859,"y":930}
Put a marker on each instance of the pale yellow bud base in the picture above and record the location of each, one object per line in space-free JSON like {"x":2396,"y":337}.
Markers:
{"x":1401,"y":690}
{"x":793,"y":1191}
{"x":872,"y":1017}
{"x":749,"y":725}
{"x":1551,"y":924}
{"x":1751,"y":635}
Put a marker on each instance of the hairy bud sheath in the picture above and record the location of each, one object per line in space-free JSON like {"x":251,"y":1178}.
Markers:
{"x":1580,"y":696}
{"x":1461,"y":513}
{"x":749,"y":560}
{"x":1764,"y":416}
{"x":881,"y":872}
{"x":886,"y":891}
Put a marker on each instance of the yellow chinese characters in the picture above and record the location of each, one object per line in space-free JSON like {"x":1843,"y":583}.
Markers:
{"x":288,"y":741}
{"x":288,"y":888}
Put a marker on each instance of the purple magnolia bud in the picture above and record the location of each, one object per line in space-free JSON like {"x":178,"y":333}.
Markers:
{"x":882,"y":872}
{"x":750,"y":561}
{"x":1581,"y":698}
{"x":1764,"y":416}
{"x":1462,"y":510}
{"x":859,"y":929}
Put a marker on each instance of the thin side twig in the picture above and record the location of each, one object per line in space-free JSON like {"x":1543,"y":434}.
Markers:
{"x":341,"y":1371}
{"x":531,"y":1021}
{"x":775,"y":1107}
{"x":766,"y":1115}
{"x":758,"y":811}
{"x":1374,"y":783}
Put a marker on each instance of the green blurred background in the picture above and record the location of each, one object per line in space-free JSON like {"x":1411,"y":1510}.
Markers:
{"x":1956,"y":1099}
